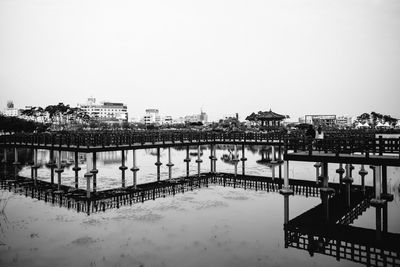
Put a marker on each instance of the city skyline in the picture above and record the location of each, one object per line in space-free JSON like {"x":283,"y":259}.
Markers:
{"x":294,"y":57}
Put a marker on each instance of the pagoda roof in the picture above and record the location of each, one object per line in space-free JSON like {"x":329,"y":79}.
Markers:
{"x":265,"y":116}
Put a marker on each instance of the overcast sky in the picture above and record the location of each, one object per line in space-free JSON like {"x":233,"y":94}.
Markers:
{"x":296,"y":57}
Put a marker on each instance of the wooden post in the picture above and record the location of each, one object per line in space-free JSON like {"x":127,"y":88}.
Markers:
{"x":123,"y":168}
{"x":187,"y":160}
{"x":235,"y":159}
{"x":158,"y":164}
{"x":94,"y":171}
{"x":363,"y":173}
{"x":286,"y":209}
{"x":243,"y":159}
{"x":52,"y":166}
{"x":88,"y":174}
{"x":317,"y":165}
{"x":198,"y":161}
{"x":59,"y":170}
{"x":169,"y":164}
{"x":134,"y":169}
{"x":76,"y":169}
{"x":5,"y":155}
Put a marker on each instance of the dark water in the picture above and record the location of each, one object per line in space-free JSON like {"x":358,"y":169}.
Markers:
{"x":214,"y":226}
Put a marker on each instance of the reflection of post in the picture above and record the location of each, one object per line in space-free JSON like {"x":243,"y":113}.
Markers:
{"x":35,"y":161}
{"x":169,"y":164}
{"x":325,"y":191}
{"x":158,"y":164}
{"x":211,"y":158}
{"x":286,"y":191}
{"x":187,"y":160}
{"x":76,"y":169}
{"x":134,"y":169}
{"x":198,"y":161}
{"x":235,"y":159}
{"x":122,"y":168}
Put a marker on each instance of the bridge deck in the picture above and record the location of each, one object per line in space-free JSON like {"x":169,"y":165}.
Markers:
{"x":317,"y":156}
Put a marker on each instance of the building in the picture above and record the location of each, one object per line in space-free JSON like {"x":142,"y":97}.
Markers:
{"x":10,"y":110}
{"x":167,"y":120}
{"x":326,"y":120}
{"x":152,"y":116}
{"x":344,"y":121}
{"x":106,"y":111}
{"x":202,"y":117}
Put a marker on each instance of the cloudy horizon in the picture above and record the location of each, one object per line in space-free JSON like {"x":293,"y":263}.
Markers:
{"x":294,"y":57}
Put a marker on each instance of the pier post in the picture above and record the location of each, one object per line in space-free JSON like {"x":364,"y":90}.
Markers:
{"x":52,"y":166}
{"x":348,"y":180}
{"x":169,"y":164}
{"x":373,"y":175}
{"x":243,"y":159}
{"x":325,"y":190}
{"x":378,"y":202}
{"x":211,"y":159}
{"x":235,"y":159}
{"x":363,"y":173}
{"x":317,"y":165}
{"x":215,"y":161}
{"x":94,"y":171}
{"x":198,"y":161}
{"x":35,"y":166}
{"x":89,"y":174}
{"x":187,"y":160}
{"x":5,"y":155}
{"x":134,"y":169}
{"x":158,"y":164}
{"x":16,"y":163}
{"x":385,"y":195}
{"x":76,"y":168}
{"x":59,"y":170}
{"x":286,"y":191}
{"x":340,"y":171}
{"x":123,"y":168}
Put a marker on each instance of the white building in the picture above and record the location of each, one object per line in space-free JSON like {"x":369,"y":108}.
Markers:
{"x":10,"y":110}
{"x":344,"y":121}
{"x":152,"y":116}
{"x":202,"y":117}
{"x":105,"y":110}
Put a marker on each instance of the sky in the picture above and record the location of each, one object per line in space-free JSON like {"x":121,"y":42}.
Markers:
{"x":295,"y":57}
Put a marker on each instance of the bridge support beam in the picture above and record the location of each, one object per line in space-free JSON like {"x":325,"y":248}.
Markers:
{"x":90,"y":166}
{"x":385,"y":194}
{"x":169,"y":164}
{"x":198,"y":161}
{"x":123,"y":168}
{"x":134,"y":169}
{"x":158,"y":164}
{"x":243,"y":159}
{"x":187,"y":160}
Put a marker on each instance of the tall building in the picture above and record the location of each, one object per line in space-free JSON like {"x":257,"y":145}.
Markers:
{"x":105,"y":110}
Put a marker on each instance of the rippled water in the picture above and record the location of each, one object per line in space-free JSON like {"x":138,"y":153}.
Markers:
{"x":214,"y":226}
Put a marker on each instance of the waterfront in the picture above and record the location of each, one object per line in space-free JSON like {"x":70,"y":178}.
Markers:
{"x":214,"y":226}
